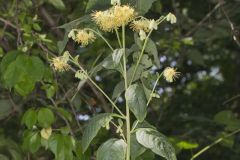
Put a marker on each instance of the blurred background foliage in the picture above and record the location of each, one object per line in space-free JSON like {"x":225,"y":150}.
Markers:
{"x":201,"y":106}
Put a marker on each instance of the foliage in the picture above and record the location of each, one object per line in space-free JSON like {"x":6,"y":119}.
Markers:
{"x":43,"y":113}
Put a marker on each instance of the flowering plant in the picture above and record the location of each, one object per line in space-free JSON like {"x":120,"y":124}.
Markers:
{"x":133,"y":64}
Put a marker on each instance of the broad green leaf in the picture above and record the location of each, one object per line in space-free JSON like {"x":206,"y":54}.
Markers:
{"x":45,"y":117}
{"x":5,"y":108}
{"x":92,"y":128}
{"x":25,"y":86}
{"x":136,"y":100}
{"x":57,"y":4}
{"x":32,"y":66}
{"x":117,"y":55}
{"x":11,"y":75}
{"x":113,"y":149}
{"x":108,"y":63}
{"x":142,"y":6}
{"x":136,"y":148}
{"x":8,"y":58}
{"x":79,"y":152}
{"x":151,"y":49}
{"x":147,"y":155}
{"x":97,"y":4}
{"x":118,"y":90}
{"x":32,"y":141}
{"x":155,"y":141}
{"x":62,"y":146}
{"x":29,"y":118}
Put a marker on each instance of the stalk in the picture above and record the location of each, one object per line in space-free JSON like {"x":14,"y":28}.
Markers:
{"x":126,"y":86}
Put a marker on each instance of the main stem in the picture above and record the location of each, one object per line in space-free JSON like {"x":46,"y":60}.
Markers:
{"x":126,"y":86}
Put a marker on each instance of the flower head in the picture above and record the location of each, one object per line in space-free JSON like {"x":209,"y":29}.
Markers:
{"x":60,"y":63}
{"x":171,"y":18}
{"x":114,"y":17}
{"x":153,"y":25}
{"x":141,"y":24}
{"x":123,"y":14}
{"x":84,"y":37}
{"x":170,"y":74}
{"x":105,"y":20}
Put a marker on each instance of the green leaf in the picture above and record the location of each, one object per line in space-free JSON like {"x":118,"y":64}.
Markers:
{"x":45,"y":117}
{"x":155,"y":141}
{"x":136,"y":100}
{"x":57,"y":4}
{"x":62,"y":146}
{"x":32,"y":66}
{"x":93,"y":127}
{"x":25,"y":86}
{"x":136,"y":148}
{"x":11,"y":75}
{"x":117,"y":55}
{"x":142,"y":6}
{"x":108,"y":63}
{"x":79,"y":152}
{"x":32,"y":141}
{"x":30,"y":118}
{"x":97,"y":4}
{"x":147,"y":155}
{"x":113,"y":149}
{"x":150,"y":49}
{"x":8,"y":58}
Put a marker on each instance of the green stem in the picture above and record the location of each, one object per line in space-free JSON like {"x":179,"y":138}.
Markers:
{"x":126,"y":86}
{"x":140,"y":57}
{"x":213,"y":144}
{"x":153,"y":89}
{"x":160,"y":20}
{"x":119,"y":41}
{"x":90,"y":79}
{"x":100,"y":35}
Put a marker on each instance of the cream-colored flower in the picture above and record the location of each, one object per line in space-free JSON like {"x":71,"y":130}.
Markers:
{"x":46,"y":133}
{"x":171,"y":18}
{"x":123,"y":14}
{"x":170,"y":74}
{"x":114,"y":17}
{"x":153,"y":25}
{"x":105,"y":20}
{"x":84,"y":37}
{"x":80,"y":75}
{"x":142,"y":35}
{"x":141,"y":24}
{"x":60,"y":63}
